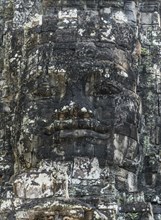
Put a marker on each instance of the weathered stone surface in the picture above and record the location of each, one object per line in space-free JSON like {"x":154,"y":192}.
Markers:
{"x":80,"y":101}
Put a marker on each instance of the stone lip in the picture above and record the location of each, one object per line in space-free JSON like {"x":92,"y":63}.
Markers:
{"x":81,"y":133}
{"x":78,"y":127}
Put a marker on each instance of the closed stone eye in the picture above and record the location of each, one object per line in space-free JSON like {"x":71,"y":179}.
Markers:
{"x":43,"y":91}
{"x":105,"y":88}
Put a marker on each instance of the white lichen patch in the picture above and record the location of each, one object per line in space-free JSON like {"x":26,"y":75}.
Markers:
{"x":12,"y":60}
{"x":131,"y":180}
{"x":123,"y":74}
{"x":144,"y":39}
{"x":72,"y":13}
{"x":121,"y":144}
{"x":4,"y":167}
{"x":17,"y":202}
{"x":9,"y":195}
{"x":6,"y":205}
{"x":107,"y":10}
{"x":157,"y":199}
{"x":66,"y":21}
{"x":98,"y":215}
{"x":120,"y":17}
{"x":34,"y":21}
{"x":156,"y":69}
{"x":83,"y":109}
{"x":93,"y":34}
{"x":85,"y":168}
{"x":65,"y":107}
{"x":22,"y":215}
{"x":45,"y":166}
{"x":71,"y":104}
{"x":104,"y":20}
{"x":52,"y":69}
{"x":26,"y":122}
{"x":34,"y":185}
{"x":107,"y":75}
{"x":106,"y":33}
{"x":81,"y":31}
{"x":102,"y":206}
{"x":76,"y":181}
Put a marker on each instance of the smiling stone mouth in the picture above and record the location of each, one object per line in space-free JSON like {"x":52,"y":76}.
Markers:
{"x":80,"y":133}
{"x":78,"y":127}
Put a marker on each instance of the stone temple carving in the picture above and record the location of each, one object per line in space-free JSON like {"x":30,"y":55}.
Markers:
{"x":80,"y":110}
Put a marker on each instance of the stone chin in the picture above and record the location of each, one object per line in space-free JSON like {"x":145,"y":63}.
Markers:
{"x":64,"y":189}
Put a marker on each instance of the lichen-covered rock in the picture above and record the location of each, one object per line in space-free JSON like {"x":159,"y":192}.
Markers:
{"x":80,"y":127}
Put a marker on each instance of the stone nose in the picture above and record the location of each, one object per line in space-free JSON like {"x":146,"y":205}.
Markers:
{"x":75,"y":104}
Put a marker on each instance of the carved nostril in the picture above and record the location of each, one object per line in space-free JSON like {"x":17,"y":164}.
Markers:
{"x":55,"y":115}
{"x":61,"y":116}
{"x":74,"y":112}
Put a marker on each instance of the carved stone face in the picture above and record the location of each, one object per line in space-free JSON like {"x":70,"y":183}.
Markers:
{"x":79,"y":105}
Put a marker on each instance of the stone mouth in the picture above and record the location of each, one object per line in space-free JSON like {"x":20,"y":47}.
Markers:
{"x":78,"y":128}
{"x":80,"y":133}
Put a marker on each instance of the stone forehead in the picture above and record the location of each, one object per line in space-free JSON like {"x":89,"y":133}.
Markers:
{"x":72,"y":17}
{"x":63,"y":17}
